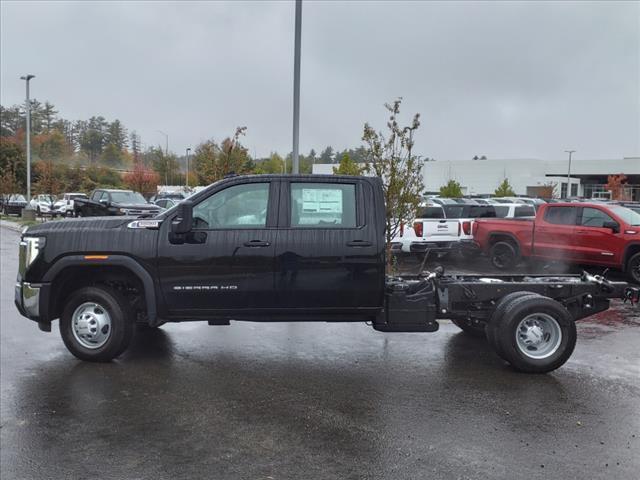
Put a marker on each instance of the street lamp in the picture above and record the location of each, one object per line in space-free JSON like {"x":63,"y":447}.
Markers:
{"x":187,"y":176}
{"x":26,"y":78}
{"x":570,"y":152}
{"x":296,"y":88}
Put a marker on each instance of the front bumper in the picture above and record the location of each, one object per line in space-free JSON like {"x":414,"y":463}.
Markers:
{"x":31,"y":299}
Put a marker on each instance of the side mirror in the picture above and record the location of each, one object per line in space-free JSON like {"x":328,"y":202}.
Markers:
{"x":183,"y":221}
{"x":105,"y":202}
{"x":615,"y":228}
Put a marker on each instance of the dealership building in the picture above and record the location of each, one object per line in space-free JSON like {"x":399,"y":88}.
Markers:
{"x":527,"y":176}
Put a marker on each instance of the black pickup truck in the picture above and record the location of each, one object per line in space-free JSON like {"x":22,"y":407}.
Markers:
{"x":281,"y":248}
{"x":111,"y":202}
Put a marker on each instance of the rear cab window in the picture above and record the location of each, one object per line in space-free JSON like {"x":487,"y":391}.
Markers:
{"x":525,"y":211}
{"x":561,"y":215}
{"x":323,"y":205}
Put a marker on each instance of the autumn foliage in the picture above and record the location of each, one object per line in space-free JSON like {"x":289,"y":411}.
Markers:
{"x":142,"y":179}
{"x":616,"y":185}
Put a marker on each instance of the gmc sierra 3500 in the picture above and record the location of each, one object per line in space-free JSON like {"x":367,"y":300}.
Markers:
{"x":281,"y":248}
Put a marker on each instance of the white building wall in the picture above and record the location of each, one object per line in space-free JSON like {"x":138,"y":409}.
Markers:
{"x":483,"y":176}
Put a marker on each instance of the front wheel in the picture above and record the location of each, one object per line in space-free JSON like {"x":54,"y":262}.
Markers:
{"x":633,"y":268}
{"x":536,"y":334}
{"x":95,"y":324}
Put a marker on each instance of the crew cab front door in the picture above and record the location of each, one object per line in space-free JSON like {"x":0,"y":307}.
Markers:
{"x":226,"y":263}
{"x":596,"y":243}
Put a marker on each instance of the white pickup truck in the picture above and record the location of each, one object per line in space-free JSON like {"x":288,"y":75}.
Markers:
{"x":440,"y":229}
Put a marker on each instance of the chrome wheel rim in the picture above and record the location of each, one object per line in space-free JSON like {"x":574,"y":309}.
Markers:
{"x":91,"y":325}
{"x":538,"y":336}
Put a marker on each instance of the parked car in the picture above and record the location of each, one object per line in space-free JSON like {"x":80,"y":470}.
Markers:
{"x":586,"y":233}
{"x":172,"y":195}
{"x":514,"y":210}
{"x":43,"y":204}
{"x":107,"y":202}
{"x":281,"y":247}
{"x":65,"y":205}
{"x":166,"y":203}
{"x":13,"y":204}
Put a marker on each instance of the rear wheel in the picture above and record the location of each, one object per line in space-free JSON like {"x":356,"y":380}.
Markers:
{"x":536,"y":334}
{"x":633,"y":268}
{"x":95,"y":324}
{"x":498,"y":312}
{"x":503,"y":255}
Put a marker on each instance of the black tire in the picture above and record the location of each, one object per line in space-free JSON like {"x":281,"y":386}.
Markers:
{"x":121,"y":330}
{"x":507,"y":332}
{"x":475,"y":330}
{"x":503,"y":255}
{"x":496,"y":315}
{"x":633,"y":268}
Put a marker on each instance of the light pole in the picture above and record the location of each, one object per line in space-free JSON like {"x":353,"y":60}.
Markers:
{"x":26,"y":78}
{"x":296,"y":88}
{"x":187,"y":176}
{"x":570,"y":152}
{"x":166,"y":156}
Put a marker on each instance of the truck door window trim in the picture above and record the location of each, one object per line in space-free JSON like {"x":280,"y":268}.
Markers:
{"x":272,"y":206}
{"x":284,"y":219}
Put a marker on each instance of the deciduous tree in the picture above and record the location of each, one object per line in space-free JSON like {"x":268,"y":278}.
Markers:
{"x":504,"y":189}
{"x":348,"y":166}
{"x":451,"y":189}
{"x":390,"y":156}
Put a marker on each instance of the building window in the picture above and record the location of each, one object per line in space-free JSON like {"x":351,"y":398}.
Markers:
{"x":574,"y":189}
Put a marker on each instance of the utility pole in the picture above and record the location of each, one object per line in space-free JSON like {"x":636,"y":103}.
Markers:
{"x":26,"y":78}
{"x":296,"y":88}
{"x":187,"y":176}
{"x":570,"y":152}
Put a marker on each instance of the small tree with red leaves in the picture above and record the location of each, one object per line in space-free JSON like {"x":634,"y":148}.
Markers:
{"x":616,"y":185}
{"x":142,"y":179}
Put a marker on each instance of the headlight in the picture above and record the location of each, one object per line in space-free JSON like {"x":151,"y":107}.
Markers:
{"x":30,"y":248}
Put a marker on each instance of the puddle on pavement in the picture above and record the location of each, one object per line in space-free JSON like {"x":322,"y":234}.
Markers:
{"x":619,"y":316}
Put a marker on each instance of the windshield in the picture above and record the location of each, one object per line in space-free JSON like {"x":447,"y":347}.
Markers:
{"x":77,"y":195}
{"x":127,"y":197}
{"x":629,"y":216}
{"x":45,"y":198}
{"x":17,"y":198}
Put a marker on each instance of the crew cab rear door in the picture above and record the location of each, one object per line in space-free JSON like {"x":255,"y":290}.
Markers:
{"x":328,"y":254}
{"x":226,"y":263}
{"x":554,"y":233}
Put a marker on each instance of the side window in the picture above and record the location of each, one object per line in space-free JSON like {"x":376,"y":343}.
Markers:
{"x":561,"y":215}
{"x":323,"y":205}
{"x":96,"y":195}
{"x":239,"y":206}
{"x":592,"y":217}
{"x":525,"y":211}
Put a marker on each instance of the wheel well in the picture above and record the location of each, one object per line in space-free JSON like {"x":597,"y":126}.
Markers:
{"x":119,"y":278}
{"x":501,"y":237}
{"x":631,"y":251}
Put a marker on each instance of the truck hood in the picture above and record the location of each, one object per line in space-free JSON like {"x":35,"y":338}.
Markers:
{"x":84,"y":224}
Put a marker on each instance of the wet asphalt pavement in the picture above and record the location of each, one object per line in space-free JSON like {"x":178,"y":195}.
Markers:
{"x":301,"y":401}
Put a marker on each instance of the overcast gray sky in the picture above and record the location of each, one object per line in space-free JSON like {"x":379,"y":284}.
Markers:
{"x":502,"y":79}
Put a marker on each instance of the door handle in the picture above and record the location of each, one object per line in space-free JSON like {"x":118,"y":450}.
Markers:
{"x":256,"y":243}
{"x":359,"y":243}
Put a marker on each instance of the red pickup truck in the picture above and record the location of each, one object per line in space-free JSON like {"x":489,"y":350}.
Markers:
{"x":582,"y":233}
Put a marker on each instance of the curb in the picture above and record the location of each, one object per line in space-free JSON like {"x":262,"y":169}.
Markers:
{"x":11,"y":226}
